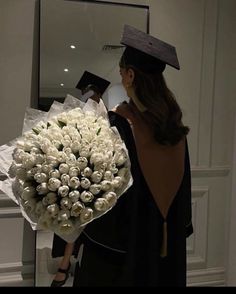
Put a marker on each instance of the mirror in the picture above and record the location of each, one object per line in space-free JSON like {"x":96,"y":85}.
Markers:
{"x":82,"y":35}
{"x":79,"y":36}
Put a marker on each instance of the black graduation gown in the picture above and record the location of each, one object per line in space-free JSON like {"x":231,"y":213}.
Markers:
{"x":123,"y":247}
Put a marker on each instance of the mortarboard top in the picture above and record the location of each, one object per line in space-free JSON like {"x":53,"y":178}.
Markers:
{"x":150,"y":46}
{"x":90,"y":79}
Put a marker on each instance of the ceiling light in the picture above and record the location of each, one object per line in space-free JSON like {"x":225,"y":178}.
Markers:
{"x":72,"y":46}
{"x":66,"y":69}
{"x":62,"y":85}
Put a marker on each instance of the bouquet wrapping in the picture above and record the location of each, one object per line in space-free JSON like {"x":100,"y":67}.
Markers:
{"x":68,"y":168}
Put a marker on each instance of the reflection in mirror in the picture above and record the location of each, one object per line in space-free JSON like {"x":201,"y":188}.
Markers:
{"x":76,"y":36}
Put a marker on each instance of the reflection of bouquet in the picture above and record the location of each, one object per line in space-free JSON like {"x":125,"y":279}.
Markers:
{"x":68,"y":169}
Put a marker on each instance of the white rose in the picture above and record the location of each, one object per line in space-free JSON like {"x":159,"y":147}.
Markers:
{"x":108,"y":175}
{"x":61,"y":156}
{"x":82,"y":162}
{"x":40,"y":177}
{"x":120,"y":157}
{"x":45,"y":144}
{"x":55,"y":174}
{"x":46,"y":168}
{"x":85,"y":183}
{"x":117,"y":182}
{"x":74,"y":195}
{"x":39,"y":158}
{"x":56,"y":144}
{"x":111,"y":198}
{"x":28,"y":146}
{"x":86,"y":196}
{"x":64,"y":168}
{"x":100,"y":167}
{"x":75,"y":147}
{"x":106,"y":185}
{"x":87,"y":172}
{"x":66,"y":142}
{"x":20,"y":144}
{"x":112,"y":167}
{"x":67,"y":151}
{"x":65,"y":179}
{"x":96,"y":158}
{"x":53,"y":210}
{"x":62,"y":117}
{"x":18,"y":155}
{"x":87,"y":135}
{"x":42,"y":189}
{"x":71,"y":160}
{"x":54,"y":184}
{"x":77,"y":208}
{"x":35,"y":150}
{"x":95,"y":189}
{"x":63,"y":191}
{"x":74,"y":171}
{"x":36,"y":169}
{"x":101,"y":204}
{"x":52,"y":160}
{"x":66,"y":136}
{"x":52,"y":151}
{"x":65,"y":203}
{"x":86,"y":215}
{"x":84,"y":152}
{"x":74,"y":183}
{"x":96,"y":176}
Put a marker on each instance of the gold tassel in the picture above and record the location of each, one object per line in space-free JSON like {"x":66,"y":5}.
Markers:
{"x":164,"y":241}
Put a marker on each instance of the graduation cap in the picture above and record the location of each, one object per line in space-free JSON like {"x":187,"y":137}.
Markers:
{"x":147,"y":52}
{"x":90,"y":81}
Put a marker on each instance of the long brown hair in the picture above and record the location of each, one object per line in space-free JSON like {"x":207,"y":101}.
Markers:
{"x":163,"y":114}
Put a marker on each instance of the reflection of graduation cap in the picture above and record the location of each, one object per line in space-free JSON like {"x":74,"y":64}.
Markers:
{"x":146,"y":52}
{"x":92,"y":82}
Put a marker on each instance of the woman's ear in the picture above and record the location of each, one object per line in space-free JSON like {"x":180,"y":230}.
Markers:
{"x":130,"y":76}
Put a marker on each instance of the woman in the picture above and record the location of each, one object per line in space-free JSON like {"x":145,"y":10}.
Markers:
{"x":142,"y":240}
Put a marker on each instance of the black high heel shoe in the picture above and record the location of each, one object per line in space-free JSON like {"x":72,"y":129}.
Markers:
{"x":61,"y":283}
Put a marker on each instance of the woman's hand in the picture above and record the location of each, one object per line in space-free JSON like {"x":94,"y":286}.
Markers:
{"x":126,"y":110}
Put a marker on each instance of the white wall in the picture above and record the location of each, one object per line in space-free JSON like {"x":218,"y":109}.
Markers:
{"x":205,"y":88}
{"x":18,"y":89}
{"x":203,"y":32}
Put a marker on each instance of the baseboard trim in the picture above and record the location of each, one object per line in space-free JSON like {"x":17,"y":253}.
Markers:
{"x":206,"y":277}
{"x":15,"y":274}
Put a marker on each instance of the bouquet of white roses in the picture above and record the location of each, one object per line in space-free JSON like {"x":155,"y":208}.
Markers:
{"x":68,"y":168}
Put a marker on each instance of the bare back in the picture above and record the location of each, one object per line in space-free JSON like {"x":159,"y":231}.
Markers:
{"x":163,"y":169}
{"x":162,"y":166}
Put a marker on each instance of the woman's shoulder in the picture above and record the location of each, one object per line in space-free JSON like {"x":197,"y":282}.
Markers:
{"x":117,"y":114}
